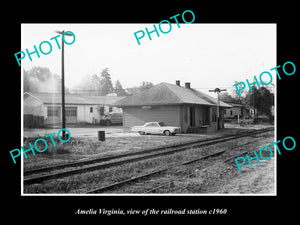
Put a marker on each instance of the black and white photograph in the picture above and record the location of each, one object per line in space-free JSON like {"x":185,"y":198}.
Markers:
{"x":149,"y":111}
{"x":165,"y":109}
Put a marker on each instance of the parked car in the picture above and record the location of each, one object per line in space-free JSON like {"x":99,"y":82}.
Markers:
{"x":156,"y":128}
{"x":112,"y":118}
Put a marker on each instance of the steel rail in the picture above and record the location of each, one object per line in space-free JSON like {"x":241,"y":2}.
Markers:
{"x":151,"y":174}
{"x":109,"y":158}
{"x":118,"y":184}
{"x":190,"y":174}
{"x":171,"y":150}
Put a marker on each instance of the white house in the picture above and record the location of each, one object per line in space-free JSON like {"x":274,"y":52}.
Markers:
{"x":236,"y":110}
{"x":78,"y":108}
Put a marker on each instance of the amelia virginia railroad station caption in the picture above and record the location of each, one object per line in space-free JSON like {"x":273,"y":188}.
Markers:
{"x":145,"y":212}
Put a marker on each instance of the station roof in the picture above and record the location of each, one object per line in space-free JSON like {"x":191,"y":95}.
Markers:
{"x":169,"y":94}
{"x":55,"y":98}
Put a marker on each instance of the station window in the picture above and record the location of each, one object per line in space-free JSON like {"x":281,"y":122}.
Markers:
{"x":91,"y":109}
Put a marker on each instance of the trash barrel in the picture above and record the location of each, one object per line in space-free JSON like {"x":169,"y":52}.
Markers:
{"x":101,"y":135}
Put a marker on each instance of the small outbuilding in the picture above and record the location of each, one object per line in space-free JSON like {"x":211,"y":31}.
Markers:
{"x":174,"y":105}
{"x":236,"y":110}
{"x":78,"y":108}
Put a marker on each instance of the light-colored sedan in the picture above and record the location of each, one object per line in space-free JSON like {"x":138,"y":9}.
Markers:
{"x":156,"y":128}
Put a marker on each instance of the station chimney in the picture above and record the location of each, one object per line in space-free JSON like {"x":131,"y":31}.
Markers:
{"x":188,"y":85}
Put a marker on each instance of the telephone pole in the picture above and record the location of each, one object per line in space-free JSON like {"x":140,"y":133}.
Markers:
{"x":63,"y":82}
{"x":218,"y":90}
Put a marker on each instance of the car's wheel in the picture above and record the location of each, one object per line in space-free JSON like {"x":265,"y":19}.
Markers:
{"x":167,"y":133}
{"x":141,"y":132}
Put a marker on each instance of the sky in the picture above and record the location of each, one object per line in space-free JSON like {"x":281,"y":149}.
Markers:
{"x":206,"y":55}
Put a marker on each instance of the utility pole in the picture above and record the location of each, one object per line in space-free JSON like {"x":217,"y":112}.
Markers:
{"x":253,"y":94}
{"x":218,"y":90}
{"x":63,"y":83}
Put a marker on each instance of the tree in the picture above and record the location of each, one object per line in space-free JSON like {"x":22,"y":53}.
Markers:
{"x":225,"y":97}
{"x":89,"y":85}
{"x":26,"y":82}
{"x":95,"y":85}
{"x":266,"y":101}
{"x":235,"y":94}
{"x":119,"y":89}
{"x":260,"y":99}
{"x":106,"y":86}
{"x":41,"y":79}
{"x":144,"y":86}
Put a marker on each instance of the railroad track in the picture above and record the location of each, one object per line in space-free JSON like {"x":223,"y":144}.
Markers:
{"x":226,"y":160}
{"x":164,"y":170}
{"x":117,"y":160}
{"x":167,"y":184}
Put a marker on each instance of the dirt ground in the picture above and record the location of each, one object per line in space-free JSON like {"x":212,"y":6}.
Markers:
{"x":225,"y":178}
{"x":259,"y":180}
{"x":221,"y":179}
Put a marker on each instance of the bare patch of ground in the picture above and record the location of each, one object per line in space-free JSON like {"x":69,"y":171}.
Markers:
{"x":225,"y":178}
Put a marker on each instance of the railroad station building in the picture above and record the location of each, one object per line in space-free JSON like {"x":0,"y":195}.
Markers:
{"x":78,"y":108}
{"x":175,"y":105}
